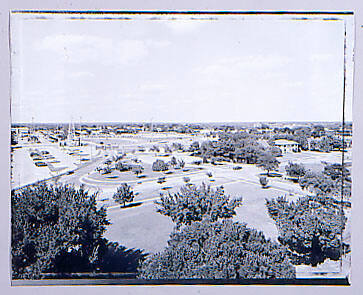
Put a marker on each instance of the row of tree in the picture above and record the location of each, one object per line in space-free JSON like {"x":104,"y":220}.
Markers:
{"x":240,"y":147}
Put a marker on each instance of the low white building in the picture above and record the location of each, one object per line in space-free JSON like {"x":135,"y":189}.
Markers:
{"x":287,"y":146}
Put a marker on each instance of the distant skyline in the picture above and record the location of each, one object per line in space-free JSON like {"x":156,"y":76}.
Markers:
{"x":142,"y":70}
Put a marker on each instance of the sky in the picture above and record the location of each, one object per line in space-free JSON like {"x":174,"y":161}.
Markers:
{"x":182,"y":70}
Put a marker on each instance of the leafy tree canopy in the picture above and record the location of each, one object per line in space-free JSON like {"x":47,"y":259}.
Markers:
{"x":319,"y":183}
{"x":267,"y":161}
{"x":310,"y":227}
{"x":123,"y":194}
{"x":51,"y":225}
{"x":195,"y":203}
{"x":160,"y":165}
{"x":295,"y":169}
{"x":218,"y":250}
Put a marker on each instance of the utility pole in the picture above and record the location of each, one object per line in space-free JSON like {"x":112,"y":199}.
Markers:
{"x":32,"y":127}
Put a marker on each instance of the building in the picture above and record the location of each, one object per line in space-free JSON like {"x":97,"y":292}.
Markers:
{"x":287,"y":146}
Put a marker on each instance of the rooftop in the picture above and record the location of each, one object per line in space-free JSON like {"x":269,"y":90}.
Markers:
{"x":285,"y":142}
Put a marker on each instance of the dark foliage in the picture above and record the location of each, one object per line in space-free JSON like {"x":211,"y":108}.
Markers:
{"x":236,"y":147}
{"x":295,"y":170}
{"x":326,"y":144}
{"x":54,"y":229}
{"x":13,"y":139}
{"x":319,"y":183}
{"x":122,"y":167}
{"x":117,"y":258}
{"x":160,"y":165}
{"x":263,"y":181}
{"x":218,"y":250}
{"x":268,"y":162}
{"x":195,"y":203}
{"x":161,"y":180}
{"x":194,"y":146}
{"x":335,"y":171}
{"x":155,"y":148}
{"x":310,"y":227}
{"x":123,"y":194}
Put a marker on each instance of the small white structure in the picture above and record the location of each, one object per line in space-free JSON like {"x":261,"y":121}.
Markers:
{"x":287,"y":146}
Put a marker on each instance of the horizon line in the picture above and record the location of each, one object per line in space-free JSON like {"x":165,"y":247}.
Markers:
{"x":170,"y":122}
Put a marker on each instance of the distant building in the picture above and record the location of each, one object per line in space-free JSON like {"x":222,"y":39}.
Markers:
{"x":287,"y":146}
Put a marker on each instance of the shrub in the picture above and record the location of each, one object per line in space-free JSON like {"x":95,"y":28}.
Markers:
{"x":122,"y":167}
{"x":177,"y":146}
{"x":336,"y":171}
{"x":138,"y":170}
{"x":167,"y":149}
{"x":106,"y":170}
{"x":155,"y":148}
{"x":186,"y":179}
{"x":194,"y":146}
{"x":209,"y":174}
{"x":181,"y":164}
{"x":161,"y":180}
{"x":160,"y":165}
{"x":263,"y":181}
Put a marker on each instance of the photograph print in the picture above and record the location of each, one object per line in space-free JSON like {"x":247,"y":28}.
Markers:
{"x":181,"y":147}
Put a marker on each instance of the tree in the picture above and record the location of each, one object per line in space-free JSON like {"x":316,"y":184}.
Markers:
{"x":155,"y":148}
{"x":186,"y":179}
{"x":177,"y":146}
{"x":13,"y":139}
{"x":263,"y":181}
{"x":122,"y":167}
{"x":318,"y":183}
{"x":138,"y":170}
{"x":167,"y":149}
{"x":123,"y":194}
{"x":194,"y":146}
{"x":335,"y":171}
{"x":55,"y":229}
{"x":218,"y":250}
{"x":295,"y":170}
{"x":116,"y":258}
{"x":248,"y":154}
{"x":267,"y":161}
{"x":317,"y":131}
{"x":193,"y":203}
{"x":181,"y":163}
{"x":325,"y":144}
{"x":310,"y":228}
{"x":160,"y":165}
{"x":173,"y":161}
